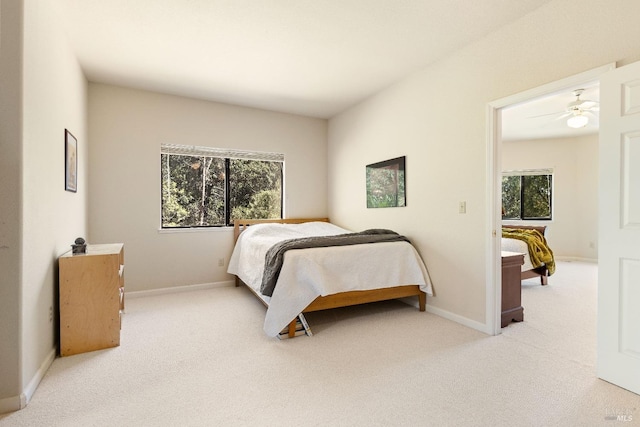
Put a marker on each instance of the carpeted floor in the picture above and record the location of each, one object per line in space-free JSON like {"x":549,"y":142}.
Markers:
{"x":201,"y":359}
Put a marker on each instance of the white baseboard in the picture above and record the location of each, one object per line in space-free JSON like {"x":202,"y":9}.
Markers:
{"x":35,"y":381}
{"x":459,"y":319}
{"x":175,"y":289}
{"x":449,"y":316}
{"x":576,"y":259}
{"x":15,"y":403}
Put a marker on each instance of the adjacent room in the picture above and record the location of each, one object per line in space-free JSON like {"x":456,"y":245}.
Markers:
{"x":150,"y":131}
{"x":549,"y":166}
{"x":549,"y":179}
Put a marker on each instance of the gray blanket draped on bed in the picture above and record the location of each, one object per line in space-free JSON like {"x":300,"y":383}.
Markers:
{"x":275,"y":254}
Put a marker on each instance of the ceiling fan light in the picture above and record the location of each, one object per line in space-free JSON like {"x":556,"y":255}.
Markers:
{"x":577,"y":121}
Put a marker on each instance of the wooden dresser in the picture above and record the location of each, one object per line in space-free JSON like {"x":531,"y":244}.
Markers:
{"x":91,"y":298}
{"x":511,"y":288}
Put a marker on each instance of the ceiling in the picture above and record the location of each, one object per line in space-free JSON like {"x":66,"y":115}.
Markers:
{"x":540,"y":118}
{"x":308,"y":57}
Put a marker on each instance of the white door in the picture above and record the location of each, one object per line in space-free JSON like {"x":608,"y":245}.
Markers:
{"x":619,"y":228}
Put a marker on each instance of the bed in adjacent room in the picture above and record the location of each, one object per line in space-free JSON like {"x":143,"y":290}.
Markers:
{"x":530,"y":240}
{"x":336,"y":271}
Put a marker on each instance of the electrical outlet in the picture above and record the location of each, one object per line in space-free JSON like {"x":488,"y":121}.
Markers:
{"x":220,"y":262}
{"x":50,"y":313}
{"x":462,"y":208}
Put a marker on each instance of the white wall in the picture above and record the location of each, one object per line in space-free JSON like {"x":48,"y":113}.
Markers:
{"x":126,"y":128}
{"x":53,"y":98}
{"x":437,"y":118}
{"x":55,"y":93}
{"x":573,"y":232}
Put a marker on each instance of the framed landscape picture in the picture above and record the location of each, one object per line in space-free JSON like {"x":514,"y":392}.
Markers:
{"x":71,"y":162}
{"x":386,"y":184}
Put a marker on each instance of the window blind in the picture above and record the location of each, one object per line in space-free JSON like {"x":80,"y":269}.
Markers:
{"x":192,"y":150}
{"x":528,"y":172}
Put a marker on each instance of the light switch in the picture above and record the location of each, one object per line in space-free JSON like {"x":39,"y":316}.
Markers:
{"x":462,"y":208}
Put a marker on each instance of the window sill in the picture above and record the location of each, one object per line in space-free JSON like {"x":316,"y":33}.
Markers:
{"x":194,"y":230}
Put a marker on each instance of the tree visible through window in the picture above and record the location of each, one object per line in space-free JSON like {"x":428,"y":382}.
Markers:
{"x":527,"y":195}
{"x":204,"y":190}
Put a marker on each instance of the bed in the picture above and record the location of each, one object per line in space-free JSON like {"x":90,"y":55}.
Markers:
{"x":528,"y":270}
{"x":322,"y":278}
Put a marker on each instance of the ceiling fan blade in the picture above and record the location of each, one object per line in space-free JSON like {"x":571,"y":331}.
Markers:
{"x":562,"y":116}
{"x":546,"y":115}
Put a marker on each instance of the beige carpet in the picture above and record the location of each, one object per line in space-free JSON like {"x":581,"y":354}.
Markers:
{"x":201,"y":359}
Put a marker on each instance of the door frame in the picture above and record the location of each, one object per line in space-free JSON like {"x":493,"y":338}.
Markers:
{"x":494,"y":188}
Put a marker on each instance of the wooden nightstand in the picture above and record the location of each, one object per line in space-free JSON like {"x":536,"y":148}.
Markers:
{"x":512,"y":288}
{"x":91,"y":298}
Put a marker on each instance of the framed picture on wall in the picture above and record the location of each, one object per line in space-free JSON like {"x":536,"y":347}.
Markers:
{"x":70,"y":162}
{"x":386,"y":184}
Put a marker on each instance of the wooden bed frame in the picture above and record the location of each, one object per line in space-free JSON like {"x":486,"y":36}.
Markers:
{"x":541,"y":272}
{"x":342,"y":299}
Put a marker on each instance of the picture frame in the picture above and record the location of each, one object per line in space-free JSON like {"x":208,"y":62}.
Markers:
{"x":386,"y":186}
{"x":70,"y":162}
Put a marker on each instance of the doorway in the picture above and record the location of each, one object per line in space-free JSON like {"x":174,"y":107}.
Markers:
{"x":494,"y":172}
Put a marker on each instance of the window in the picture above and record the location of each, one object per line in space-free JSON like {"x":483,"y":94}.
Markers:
{"x":527,"y":195}
{"x":209,"y":187}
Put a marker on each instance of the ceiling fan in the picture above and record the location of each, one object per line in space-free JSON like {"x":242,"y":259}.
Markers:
{"x":577,"y":111}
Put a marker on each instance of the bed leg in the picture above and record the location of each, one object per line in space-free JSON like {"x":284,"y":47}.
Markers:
{"x":292,"y":328}
{"x":237,"y":281}
{"x":422,"y":301}
{"x":543,"y":280}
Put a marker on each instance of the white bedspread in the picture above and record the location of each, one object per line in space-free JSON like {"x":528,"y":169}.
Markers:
{"x":309,"y":273}
{"x":515,"y":245}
